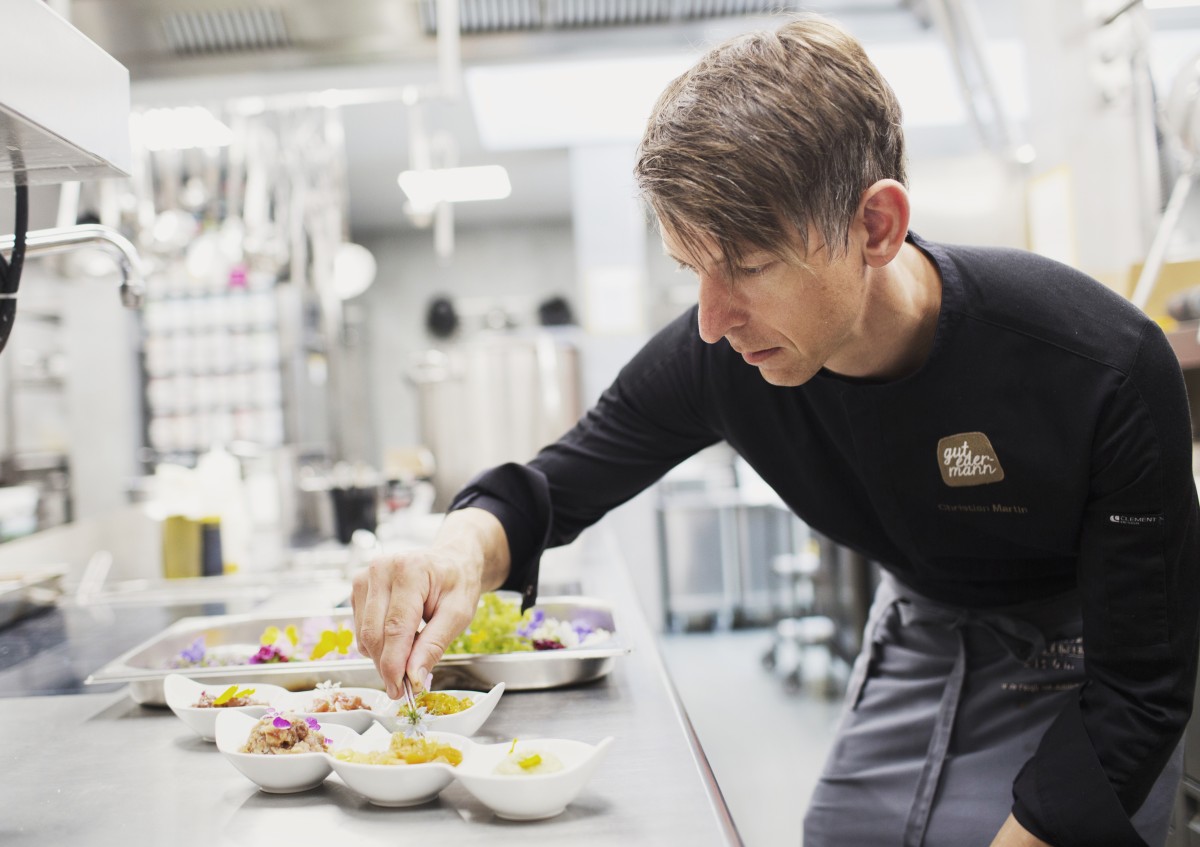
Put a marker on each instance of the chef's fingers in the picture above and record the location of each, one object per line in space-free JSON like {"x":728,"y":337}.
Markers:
{"x":391,"y":613}
{"x":447,"y":621}
{"x":358,"y":597}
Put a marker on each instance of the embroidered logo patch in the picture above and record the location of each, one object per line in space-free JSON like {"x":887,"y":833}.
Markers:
{"x":968,"y":459}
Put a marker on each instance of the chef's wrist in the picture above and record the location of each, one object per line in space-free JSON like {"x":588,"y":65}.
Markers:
{"x":477,"y":538}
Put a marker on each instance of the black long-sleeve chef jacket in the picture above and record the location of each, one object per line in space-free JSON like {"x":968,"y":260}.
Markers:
{"x":1044,"y":445}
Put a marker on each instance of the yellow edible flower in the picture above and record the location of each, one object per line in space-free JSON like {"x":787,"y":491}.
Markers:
{"x":231,"y":693}
{"x":331,"y":640}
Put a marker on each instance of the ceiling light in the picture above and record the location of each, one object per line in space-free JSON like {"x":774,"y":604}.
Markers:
{"x":567,"y":103}
{"x":427,"y":188}
{"x":573,"y":103}
{"x":180,"y":128}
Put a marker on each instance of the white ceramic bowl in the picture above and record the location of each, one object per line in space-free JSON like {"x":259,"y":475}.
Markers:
{"x":396,"y":785}
{"x":527,"y":797}
{"x":181,"y":693}
{"x":359,"y":720}
{"x":281,"y":773}
{"x":466,"y":722}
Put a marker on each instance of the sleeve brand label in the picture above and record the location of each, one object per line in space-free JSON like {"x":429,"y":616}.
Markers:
{"x":1137,"y":520}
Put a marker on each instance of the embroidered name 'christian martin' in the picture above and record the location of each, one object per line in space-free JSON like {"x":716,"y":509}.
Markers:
{"x":968,"y":458}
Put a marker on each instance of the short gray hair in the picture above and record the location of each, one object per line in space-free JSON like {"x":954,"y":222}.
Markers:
{"x":771,"y":134}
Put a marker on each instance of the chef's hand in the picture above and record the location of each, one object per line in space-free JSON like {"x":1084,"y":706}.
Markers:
{"x":440,"y":585}
{"x":1012,"y":834}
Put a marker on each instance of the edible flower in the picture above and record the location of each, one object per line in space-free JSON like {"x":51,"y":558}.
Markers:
{"x":536,"y":618}
{"x":194,"y":654}
{"x":271,"y":635}
{"x":278,"y":720}
{"x":530,"y":761}
{"x":415,"y":721}
{"x":268,"y":654}
{"x":331,"y":640}
{"x":232,"y":693}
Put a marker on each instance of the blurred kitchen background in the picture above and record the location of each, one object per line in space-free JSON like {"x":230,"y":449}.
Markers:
{"x":321,"y":350}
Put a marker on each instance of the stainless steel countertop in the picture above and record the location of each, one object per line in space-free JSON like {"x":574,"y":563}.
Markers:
{"x":97,"y":769}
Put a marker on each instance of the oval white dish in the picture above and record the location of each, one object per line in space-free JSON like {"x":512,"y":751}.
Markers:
{"x":277,"y":774}
{"x":532,"y":796}
{"x":182,"y":694}
{"x":466,"y":722}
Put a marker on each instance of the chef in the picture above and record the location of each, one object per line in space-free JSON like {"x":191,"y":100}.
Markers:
{"x":1006,"y":436}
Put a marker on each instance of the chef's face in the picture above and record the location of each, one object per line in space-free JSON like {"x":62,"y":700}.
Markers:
{"x":787,"y":321}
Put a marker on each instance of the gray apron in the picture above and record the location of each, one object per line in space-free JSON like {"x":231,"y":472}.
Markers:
{"x":943,"y":707}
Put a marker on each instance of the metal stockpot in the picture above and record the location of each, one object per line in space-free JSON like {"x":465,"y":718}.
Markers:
{"x":498,"y":397}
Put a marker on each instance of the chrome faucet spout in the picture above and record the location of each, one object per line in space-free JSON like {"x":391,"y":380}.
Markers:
{"x":46,"y":242}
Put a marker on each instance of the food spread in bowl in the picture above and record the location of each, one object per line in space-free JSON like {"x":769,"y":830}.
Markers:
{"x":527,"y":761}
{"x":439,"y":703}
{"x":405,"y":750}
{"x":285,"y":732}
{"x":231,"y":698}
{"x":329,"y":698}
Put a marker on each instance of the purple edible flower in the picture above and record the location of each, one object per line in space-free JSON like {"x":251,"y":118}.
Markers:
{"x":535,"y":620}
{"x":312,"y":724}
{"x":582,"y":630}
{"x":282,"y":722}
{"x":195,"y":653}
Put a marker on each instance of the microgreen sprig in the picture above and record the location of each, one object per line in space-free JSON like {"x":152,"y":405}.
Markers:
{"x":415,"y":721}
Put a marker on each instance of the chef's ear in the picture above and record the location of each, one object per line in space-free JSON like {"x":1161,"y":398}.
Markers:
{"x":883,"y":213}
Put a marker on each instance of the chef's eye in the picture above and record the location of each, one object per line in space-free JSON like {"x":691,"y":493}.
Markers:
{"x":752,"y":270}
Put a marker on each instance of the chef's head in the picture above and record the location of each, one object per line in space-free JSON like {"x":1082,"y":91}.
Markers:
{"x":769,"y":141}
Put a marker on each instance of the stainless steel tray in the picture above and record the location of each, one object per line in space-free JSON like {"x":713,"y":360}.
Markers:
{"x":27,"y":591}
{"x":146,"y":666}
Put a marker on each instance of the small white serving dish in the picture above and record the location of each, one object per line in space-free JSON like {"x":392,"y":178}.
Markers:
{"x":527,"y":797}
{"x":285,"y":773}
{"x":519,"y":796}
{"x":359,"y":720}
{"x":397,"y":785}
{"x":466,"y":722}
{"x":182,"y":693}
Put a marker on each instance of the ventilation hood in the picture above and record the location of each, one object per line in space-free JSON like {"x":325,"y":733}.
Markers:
{"x":64,"y":102}
{"x":162,"y":39}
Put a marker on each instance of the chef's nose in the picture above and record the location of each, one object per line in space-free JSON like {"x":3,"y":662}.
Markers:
{"x":719,"y":309}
